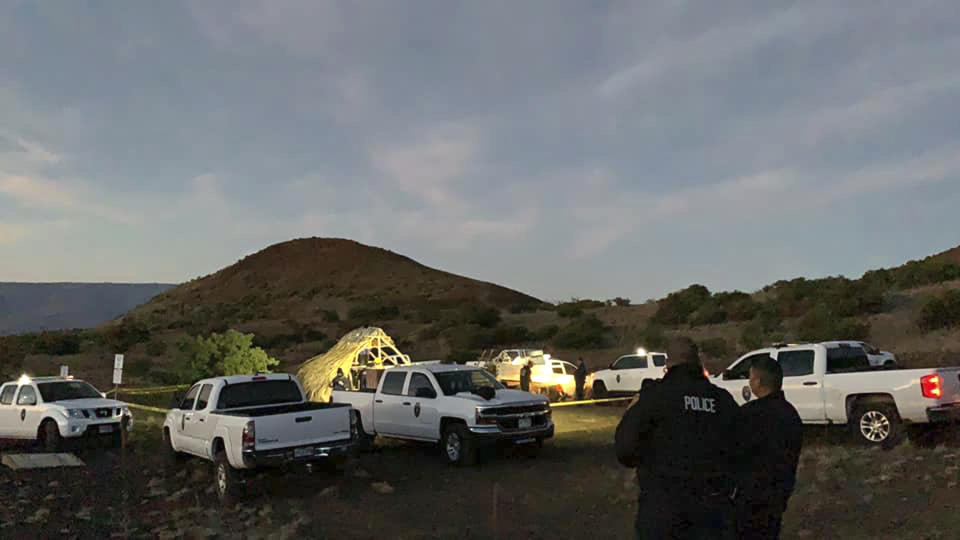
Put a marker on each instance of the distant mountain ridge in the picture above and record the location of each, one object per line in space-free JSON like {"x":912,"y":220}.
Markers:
{"x":33,"y":307}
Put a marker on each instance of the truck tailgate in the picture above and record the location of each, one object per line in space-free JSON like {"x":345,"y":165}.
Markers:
{"x":299,"y":428}
{"x":950,"y":385}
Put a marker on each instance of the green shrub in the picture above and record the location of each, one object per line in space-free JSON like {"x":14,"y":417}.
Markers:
{"x":483,"y":316}
{"x":620,"y":301}
{"x":586,"y":332}
{"x":121,"y":337}
{"x":715,"y":347}
{"x":231,"y":353}
{"x":652,"y":336}
{"x":569,"y":310}
{"x":156,"y":348}
{"x":545,"y":333}
{"x":752,"y":336}
{"x":677,"y":307}
{"x":824,"y":324}
{"x":941,"y":311}
{"x":57,"y":343}
{"x":512,"y":335}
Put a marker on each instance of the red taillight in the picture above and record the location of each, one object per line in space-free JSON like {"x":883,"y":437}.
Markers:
{"x":706,"y":373}
{"x":249,"y":437}
{"x":931,"y":387}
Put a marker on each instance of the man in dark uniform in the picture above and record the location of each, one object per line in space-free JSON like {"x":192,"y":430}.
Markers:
{"x":770,"y":450}
{"x":580,"y":377}
{"x":340,"y":382}
{"x":525,"y":376}
{"x":680,"y":435}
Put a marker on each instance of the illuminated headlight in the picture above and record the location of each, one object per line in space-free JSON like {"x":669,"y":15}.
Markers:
{"x":75,"y":413}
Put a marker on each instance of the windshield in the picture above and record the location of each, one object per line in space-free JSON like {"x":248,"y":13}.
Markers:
{"x":62,"y":391}
{"x":454,"y":382}
{"x":259,"y":393}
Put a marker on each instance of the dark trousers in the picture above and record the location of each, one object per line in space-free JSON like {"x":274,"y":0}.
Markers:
{"x":672,"y":515}
{"x":759,"y":520}
{"x":580,"y":389}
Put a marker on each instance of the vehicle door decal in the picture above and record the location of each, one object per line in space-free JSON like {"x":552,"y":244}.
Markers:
{"x":746,"y":393}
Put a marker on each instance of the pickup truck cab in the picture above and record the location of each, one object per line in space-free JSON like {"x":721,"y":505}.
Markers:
{"x":244,"y":422}
{"x":51,"y":409}
{"x":835,"y":384}
{"x":626,"y":374}
{"x":461,"y":407}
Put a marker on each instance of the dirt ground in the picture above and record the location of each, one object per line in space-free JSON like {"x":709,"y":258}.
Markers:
{"x":574,"y":488}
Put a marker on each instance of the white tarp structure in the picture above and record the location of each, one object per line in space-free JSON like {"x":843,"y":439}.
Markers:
{"x":362,"y":348}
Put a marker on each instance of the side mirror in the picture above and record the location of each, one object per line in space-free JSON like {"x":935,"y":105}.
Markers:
{"x":426,"y":393}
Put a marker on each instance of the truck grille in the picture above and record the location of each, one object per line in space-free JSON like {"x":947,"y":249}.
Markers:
{"x":103,"y":413}
{"x":538,"y":408}
{"x":508,"y":418}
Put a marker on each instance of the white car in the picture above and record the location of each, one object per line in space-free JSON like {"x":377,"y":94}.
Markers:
{"x":244,"y":422}
{"x":876,"y":357}
{"x":461,"y":407}
{"x":835,"y":384}
{"x":51,"y":409}
{"x":626,"y":375}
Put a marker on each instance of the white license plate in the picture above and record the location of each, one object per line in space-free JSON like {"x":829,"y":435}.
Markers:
{"x":525,"y":423}
{"x":303,"y":452}
{"x":106,"y":429}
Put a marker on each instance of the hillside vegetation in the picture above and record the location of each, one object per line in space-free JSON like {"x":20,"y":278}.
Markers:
{"x":299,"y":297}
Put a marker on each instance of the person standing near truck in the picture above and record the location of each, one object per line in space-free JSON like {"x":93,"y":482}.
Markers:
{"x":580,"y":377}
{"x":525,"y":376}
{"x":680,"y":435}
{"x":340,"y":382}
{"x":769,"y":452}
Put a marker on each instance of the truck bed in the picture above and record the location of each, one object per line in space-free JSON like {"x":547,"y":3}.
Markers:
{"x":256,"y":412}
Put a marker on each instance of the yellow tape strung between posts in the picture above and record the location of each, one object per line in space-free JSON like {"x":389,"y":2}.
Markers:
{"x":587,"y":402}
{"x":154,"y":390}
{"x":145,"y":408}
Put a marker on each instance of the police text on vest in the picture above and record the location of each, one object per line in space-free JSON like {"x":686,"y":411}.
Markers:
{"x":699,"y":404}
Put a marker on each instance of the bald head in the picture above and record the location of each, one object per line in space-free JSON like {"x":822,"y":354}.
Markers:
{"x":682,"y":350}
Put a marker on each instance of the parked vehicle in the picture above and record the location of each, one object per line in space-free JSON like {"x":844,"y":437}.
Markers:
{"x":548,"y":376}
{"x":461,"y":407}
{"x":246,"y":422}
{"x":876,"y":357}
{"x":51,"y":409}
{"x":626,"y":374}
{"x":835,"y":384}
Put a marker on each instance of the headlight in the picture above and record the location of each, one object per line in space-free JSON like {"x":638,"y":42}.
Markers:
{"x":75,"y":413}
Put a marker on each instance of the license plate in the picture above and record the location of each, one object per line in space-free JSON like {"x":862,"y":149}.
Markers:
{"x":524,"y":441}
{"x":106,"y":429}
{"x":303,"y":452}
{"x":525,"y":423}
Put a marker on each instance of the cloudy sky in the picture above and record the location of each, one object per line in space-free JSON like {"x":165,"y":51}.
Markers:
{"x":564,"y":148}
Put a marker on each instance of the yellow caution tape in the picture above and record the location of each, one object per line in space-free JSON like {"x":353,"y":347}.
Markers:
{"x":587,"y":402}
{"x":145,"y":408}
{"x":154,"y":390}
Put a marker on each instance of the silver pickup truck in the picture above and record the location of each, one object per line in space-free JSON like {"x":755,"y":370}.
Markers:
{"x":245,"y":422}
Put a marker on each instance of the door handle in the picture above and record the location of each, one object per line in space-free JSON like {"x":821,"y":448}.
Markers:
{"x":810,"y":383}
{"x":201,"y":420}
{"x":379,"y":400}
{"x":406,"y":403}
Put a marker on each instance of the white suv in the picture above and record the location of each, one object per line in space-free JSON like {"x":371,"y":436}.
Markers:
{"x":626,"y":375}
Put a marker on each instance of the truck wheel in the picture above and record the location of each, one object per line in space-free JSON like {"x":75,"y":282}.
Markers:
{"x":599,"y":390}
{"x":877,"y":424}
{"x":226,"y":480}
{"x":49,"y":436}
{"x":456,"y":446}
{"x":174,"y":458}
{"x":364,"y":440}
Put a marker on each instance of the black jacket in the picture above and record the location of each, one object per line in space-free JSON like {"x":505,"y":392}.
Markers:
{"x":771,"y":439}
{"x":681,"y":432}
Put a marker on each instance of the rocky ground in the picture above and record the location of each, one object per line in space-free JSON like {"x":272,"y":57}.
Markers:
{"x":574,"y":488}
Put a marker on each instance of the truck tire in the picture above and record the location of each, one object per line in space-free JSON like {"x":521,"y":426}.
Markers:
{"x":364,"y":440}
{"x":173,"y":457}
{"x":456,"y":446}
{"x":227,"y":482}
{"x":877,"y":424}
{"x":599,"y":390}
{"x":49,"y":435}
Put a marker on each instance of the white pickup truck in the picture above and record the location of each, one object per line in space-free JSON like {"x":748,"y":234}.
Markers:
{"x":51,"y":409}
{"x":462,"y":407}
{"x":626,"y":375}
{"x":243,"y":422}
{"x":836,"y":384}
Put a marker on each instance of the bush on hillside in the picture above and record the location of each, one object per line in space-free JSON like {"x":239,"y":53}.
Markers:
{"x":372,"y":313}
{"x":941,"y":311}
{"x":619,"y":302}
{"x":483,"y":316}
{"x":715,"y":347}
{"x":57,"y":343}
{"x":652,"y":336}
{"x":677,"y":307}
{"x":586,"y":332}
{"x":230,"y":353}
{"x":824,"y":324}
{"x":523,"y":307}
{"x":546,"y":333}
{"x":569,"y":310}
{"x":156,"y":348}
{"x":121,"y":337}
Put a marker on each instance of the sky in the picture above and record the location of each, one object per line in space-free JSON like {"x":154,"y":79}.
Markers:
{"x":559,"y":147}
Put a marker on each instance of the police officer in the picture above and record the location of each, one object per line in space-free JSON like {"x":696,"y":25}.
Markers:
{"x":525,"y":376}
{"x":770,"y":450}
{"x":680,"y":436}
{"x":340,"y":382}
{"x":580,"y":377}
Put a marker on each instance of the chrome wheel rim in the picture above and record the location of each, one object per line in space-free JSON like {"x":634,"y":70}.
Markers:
{"x":875,"y":426}
{"x":453,"y":447}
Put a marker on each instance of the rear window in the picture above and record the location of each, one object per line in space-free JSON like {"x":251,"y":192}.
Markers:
{"x":63,"y":391}
{"x":846,"y":360}
{"x":258,"y":394}
{"x":659,"y":360}
{"x":631,"y":362}
{"x":796,"y":363}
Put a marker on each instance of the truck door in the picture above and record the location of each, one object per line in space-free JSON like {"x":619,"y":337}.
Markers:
{"x":389,"y":412}
{"x":801,"y":385}
{"x":9,"y":416}
{"x":27,"y":413}
{"x":181,"y":416}
{"x":421,"y":418}
{"x":197,"y":426}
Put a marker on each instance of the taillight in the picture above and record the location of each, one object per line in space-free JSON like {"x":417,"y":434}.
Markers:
{"x":931,"y":386}
{"x":706,"y":373}
{"x":249,"y":437}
